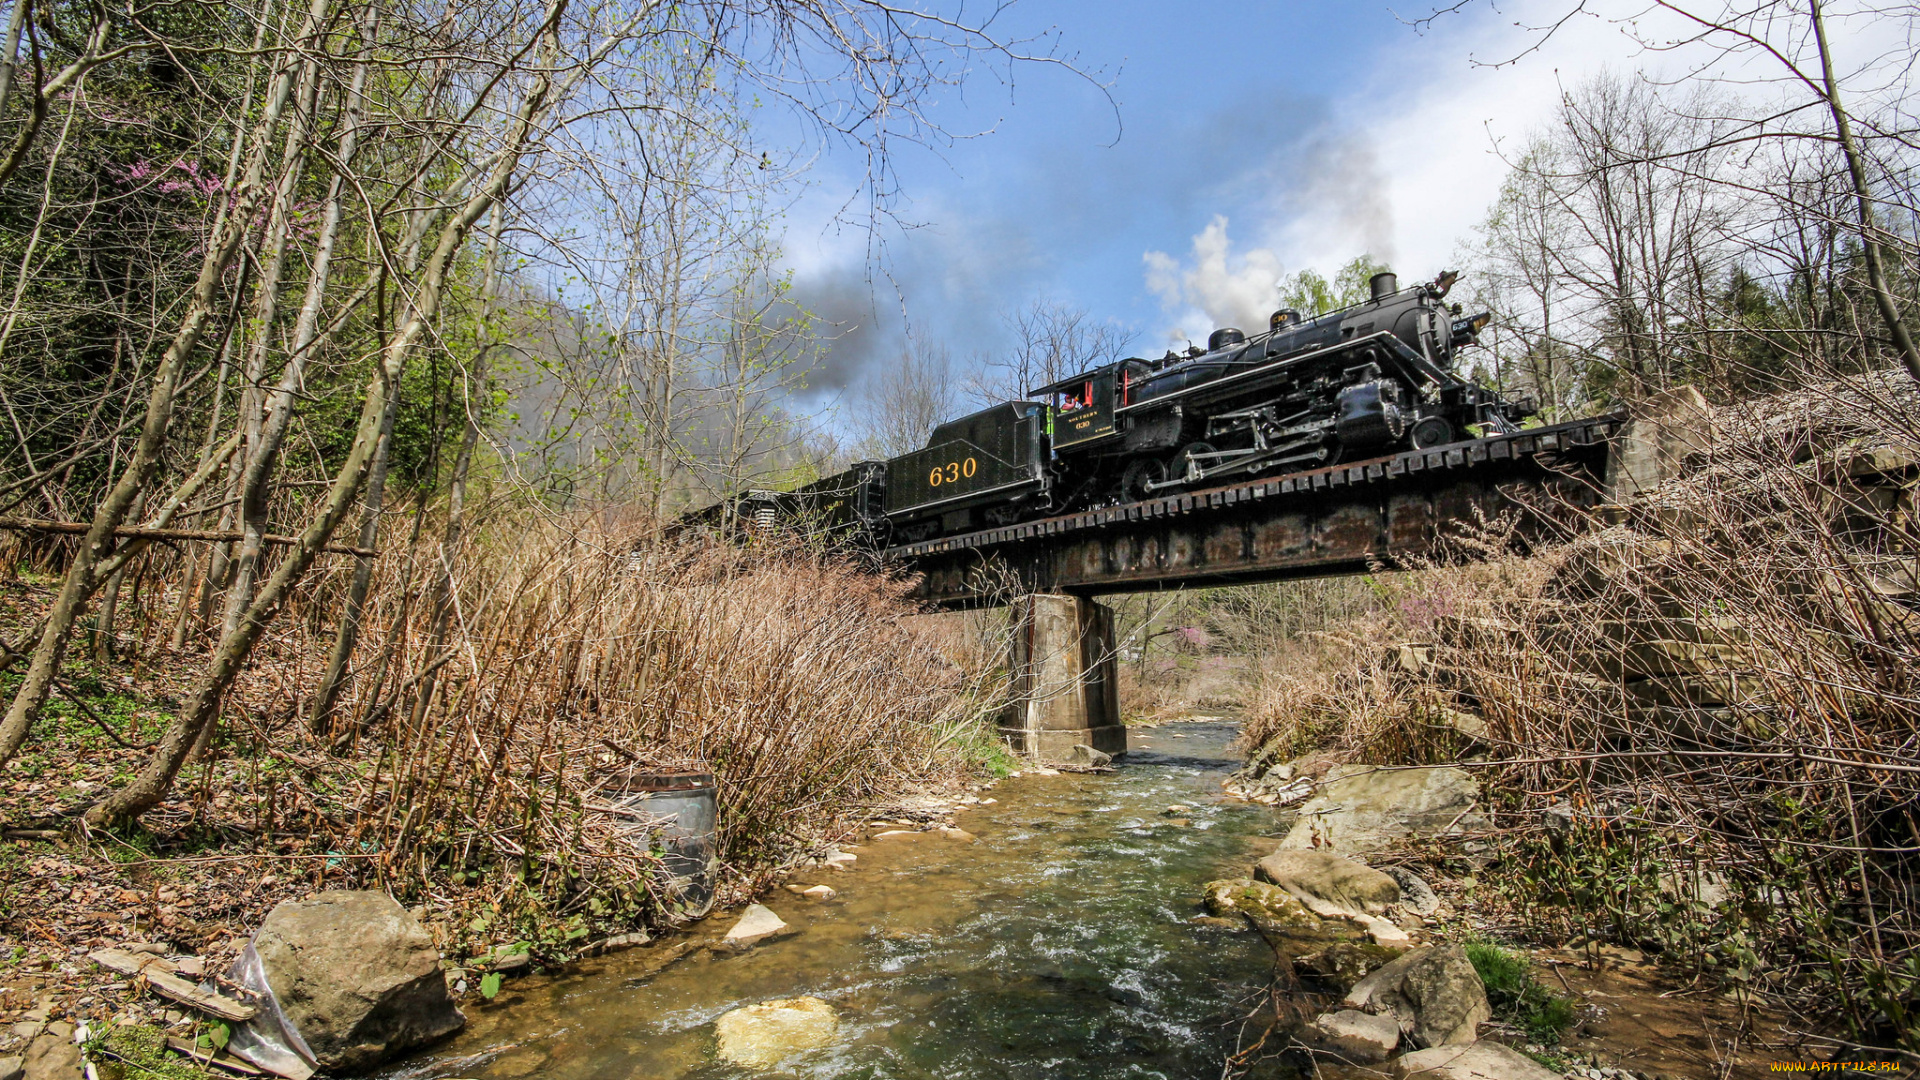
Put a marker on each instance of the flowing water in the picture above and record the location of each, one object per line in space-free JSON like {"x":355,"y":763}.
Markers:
{"x":1061,"y":944}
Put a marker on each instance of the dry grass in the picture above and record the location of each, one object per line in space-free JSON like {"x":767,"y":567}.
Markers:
{"x":575,"y":649}
{"x":1721,"y":689}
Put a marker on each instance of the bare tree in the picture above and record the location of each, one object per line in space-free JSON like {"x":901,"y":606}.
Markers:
{"x":1808,"y":101}
{"x":364,"y":141}
{"x":1614,"y":225}
{"x":1052,"y":341}
{"x":901,"y":401}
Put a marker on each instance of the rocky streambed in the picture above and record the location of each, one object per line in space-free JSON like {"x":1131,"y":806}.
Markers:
{"x":1052,"y":934}
{"x":1140,"y":921}
{"x":1132,"y":923}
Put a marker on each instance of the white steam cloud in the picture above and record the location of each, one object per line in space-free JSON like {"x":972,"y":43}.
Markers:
{"x":1220,"y":287}
{"x":1327,"y":203}
{"x":1342,"y":208}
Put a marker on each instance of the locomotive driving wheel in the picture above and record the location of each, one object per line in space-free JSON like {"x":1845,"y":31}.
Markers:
{"x":1139,"y":473}
{"x":1432,"y":431}
{"x":1190,"y":461}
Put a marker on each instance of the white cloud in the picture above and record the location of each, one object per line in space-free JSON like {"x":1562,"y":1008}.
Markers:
{"x":1403,"y":169}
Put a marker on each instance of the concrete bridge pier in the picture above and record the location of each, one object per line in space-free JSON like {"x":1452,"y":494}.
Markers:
{"x":1063,"y":669}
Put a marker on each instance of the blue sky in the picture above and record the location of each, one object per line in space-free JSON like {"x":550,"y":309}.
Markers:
{"x":1251,"y":139}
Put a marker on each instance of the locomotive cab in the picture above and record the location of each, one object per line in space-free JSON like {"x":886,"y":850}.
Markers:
{"x":1084,"y":405}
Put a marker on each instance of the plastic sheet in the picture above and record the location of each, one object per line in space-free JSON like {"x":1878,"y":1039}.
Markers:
{"x":269,"y":1040}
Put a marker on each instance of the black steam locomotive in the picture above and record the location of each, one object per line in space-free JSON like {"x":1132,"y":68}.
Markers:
{"x":1364,"y":381}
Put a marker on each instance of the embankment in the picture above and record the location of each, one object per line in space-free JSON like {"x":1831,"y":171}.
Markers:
{"x":1696,"y":723}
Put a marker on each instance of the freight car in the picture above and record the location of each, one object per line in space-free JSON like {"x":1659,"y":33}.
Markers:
{"x":1363,"y":381}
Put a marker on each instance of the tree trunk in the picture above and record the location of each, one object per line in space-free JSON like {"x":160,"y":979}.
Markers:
{"x":82,"y":577}
{"x":443,"y":579}
{"x":110,"y":602}
{"x":263,"y":434}
{"x":347,"y":637}
{"x":156,"y":777}
{"x":1863,"y":204}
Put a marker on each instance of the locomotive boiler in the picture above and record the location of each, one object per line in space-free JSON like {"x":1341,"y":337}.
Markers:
{"x":1363,"y":381}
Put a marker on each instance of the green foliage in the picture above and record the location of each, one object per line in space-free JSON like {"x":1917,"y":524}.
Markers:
{"x":490,"y":985}
{"x":216,"y":1036}
{"x":1516,"y":996}
{"x":994,"y":758}
{"x":140,"y":1052}
{"x":1310,"y":294}
{"x":1633,"y":886}
{"x":70,"y":724}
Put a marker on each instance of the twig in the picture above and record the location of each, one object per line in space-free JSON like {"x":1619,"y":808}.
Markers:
{"x":95,"y":717}
{"x":147,"y":532}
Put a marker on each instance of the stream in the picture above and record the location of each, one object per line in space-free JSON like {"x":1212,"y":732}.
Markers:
{"x":1061,"y":944}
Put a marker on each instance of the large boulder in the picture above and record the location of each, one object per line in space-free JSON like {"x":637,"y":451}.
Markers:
{"x":1352,"y":1036}
{"x":761,"y":1036}
{"x":1270,"y":908}
{"x":1433,"y":992}
{"x":353,"y":980}
{"x":1088,"y":756}
{"x":1361,"y":808}
{"x":1480,"y":1061}
{"x":1327,"y":884}
{"x":1344,"y":963}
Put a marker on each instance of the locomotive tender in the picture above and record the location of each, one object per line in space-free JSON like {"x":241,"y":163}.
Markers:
{"x":1363,"y":381}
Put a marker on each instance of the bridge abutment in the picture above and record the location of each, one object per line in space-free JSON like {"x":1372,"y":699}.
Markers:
{"x":1064,"y":686}
{"x":1653,"y":445}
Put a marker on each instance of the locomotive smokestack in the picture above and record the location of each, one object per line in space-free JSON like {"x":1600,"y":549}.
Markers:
{"x":1384,"y":285}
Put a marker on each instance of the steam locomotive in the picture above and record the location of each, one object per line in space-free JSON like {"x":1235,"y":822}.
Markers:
{"x":1363,"y":381}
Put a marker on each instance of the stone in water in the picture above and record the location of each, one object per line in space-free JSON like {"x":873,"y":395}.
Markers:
{"x":761,"y":1036}
{"x":756,"y":923}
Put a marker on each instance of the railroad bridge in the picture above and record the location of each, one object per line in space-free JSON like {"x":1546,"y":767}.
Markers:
{"x":1341,"y":519}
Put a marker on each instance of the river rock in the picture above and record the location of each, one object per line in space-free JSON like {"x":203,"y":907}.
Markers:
{"x":756,"y":923}
{"x":1354,"y":1036}
{"x":1087,"y":755}
{"x":761,"y":1036}
{"x":1480,"y":1061}
{"x":1415,"y":894}
{"x":356,"y":976}
{"x":1361,"y":808}
{"x":12,"y":1068}
{"x":1344,"y":963}
{"x":52,"y":1055}
{"x":1329,"y":885}
{"x":1434,"y":993}
{"x":1268,"y":907}
{"x":1384,"y":932}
